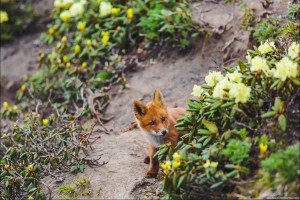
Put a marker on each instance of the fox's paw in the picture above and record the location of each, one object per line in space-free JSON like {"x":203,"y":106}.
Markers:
{"x":147,"y":160}
{"x":150,"y":174}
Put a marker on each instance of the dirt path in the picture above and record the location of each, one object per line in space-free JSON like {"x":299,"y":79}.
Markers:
{"x":123,"y":176}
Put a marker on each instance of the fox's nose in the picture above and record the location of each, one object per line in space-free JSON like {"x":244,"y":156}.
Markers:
{"x":164,"y":132}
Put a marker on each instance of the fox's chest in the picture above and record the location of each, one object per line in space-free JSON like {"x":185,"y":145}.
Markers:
{"x":156,"y":141}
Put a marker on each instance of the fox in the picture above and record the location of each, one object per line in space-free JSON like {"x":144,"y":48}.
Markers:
{"x":157,"y":124}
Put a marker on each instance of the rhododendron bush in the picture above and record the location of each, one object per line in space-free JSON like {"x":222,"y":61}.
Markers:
{"x":238,"y":119}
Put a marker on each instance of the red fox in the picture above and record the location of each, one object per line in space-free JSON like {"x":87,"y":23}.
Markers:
{"x":158,"y":125}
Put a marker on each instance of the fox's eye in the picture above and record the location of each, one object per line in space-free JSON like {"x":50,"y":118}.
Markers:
{"x":152,"y":123}
{"x":163,"y":119}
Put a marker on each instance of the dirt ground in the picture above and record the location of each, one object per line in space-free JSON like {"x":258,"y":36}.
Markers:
{"x":174,"y":74}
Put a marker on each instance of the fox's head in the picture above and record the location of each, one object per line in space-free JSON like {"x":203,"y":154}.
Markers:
{"x":153,"y":118}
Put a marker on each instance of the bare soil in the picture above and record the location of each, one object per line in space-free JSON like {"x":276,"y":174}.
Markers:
{"x":174,"y":73}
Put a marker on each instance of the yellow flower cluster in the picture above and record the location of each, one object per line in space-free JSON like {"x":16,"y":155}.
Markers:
{"x":105,"y":8}
{"x":45,"y":122}
{"x":129,"y":13}
{"x":3,"y":16}
{"x":81,"y":26}
{"x":259,"y":64}
{"x":197,"y":91}
{"x":105,"y":37}
{"x":65,"y":15}
{"x":222,"y":85}
{"x":240,"y":92}
{"x":115,"y":11}
{"x":212,"y":77}
{"x":5,"y":105}
{"x":235,"y":76}
{"x":77,"y":49}
{"x":263,"y":149}
{"x":285,"y":68}
{"x":294,"y":50}
{"x":73,"y":9}
{"x":177,"y":160}
{"x":267,"y":47}
{"x":166,"y":166}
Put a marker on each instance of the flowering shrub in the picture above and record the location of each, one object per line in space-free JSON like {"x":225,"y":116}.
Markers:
{"x":15,"y":16}
{"x":8,"y":111}
{"x":251,"y":99}
{"x":33,"y":150}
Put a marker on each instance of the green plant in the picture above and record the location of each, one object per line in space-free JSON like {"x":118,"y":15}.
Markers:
{"x":267,"y":30}
{"x":285,"y":163}
{"x":248,"y":18}
{"x":15,"y":18}
{"x":294,"y":11}
{"x":79,"y":185}
{"x":251,"y":99}
{"x":34,"y":149}
{"x":237,"y":151}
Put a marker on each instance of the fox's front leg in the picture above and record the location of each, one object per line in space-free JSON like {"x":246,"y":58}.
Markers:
{"x":154,"y":164}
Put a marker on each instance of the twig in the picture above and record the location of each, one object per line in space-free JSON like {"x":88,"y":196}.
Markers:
{"x":240,"y":124}
{"x":293,"y":97}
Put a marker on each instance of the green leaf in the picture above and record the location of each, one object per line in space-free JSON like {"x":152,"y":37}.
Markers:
{"x":73,"y":168}
{"x":206,"y":141}
{"x":269,"y":114}
{"x":198,"y":146}
{"x":216,"y":185}
{"x":104,"y":75}
{"x":181,"y":179}
{"x":242,"y":65}
{"x":282,"y":122}
{"x":276,"y":106}
{"x":210,"y":126}
{"x":204,"y":132}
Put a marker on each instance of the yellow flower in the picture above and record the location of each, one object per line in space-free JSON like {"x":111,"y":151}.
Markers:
{"x":294,"y":50}
{"x":68,"y":65}
{"x":81,"y":26}
{"x":240,"y":92}
{"x":20,"y":164}
{"x":235,"y":76}
{"x":207,"y":164}
{"x":176,"y":164}
{"x":65,"y":58}
{"x":105,"y":9}
{"x":129,"y":13}
{"x":64,"y":39}
{"x":177,"y":157}
{"x":15,"y":108}
{"x":285,"y":68}
{"x":105,"y":37}
{"x":65,"y":15}
{"x":263,"y":149}
{"x":23,"y":88}
{"x":15,"y":125}
{"x":99,"y":1}
{"x":58,"y":3}
{"x":77,"y":9}
{"x":115,"y":11}
{"x":3,"y":16}
{"x":266,"y":47}
{"x":30,"y":168}
{"x":51,"y":31}
{"x":166,"y":166}
{"x":83,"y":65}
{"x":6,"y":167}
{"x":210,"y":164}
{"x":54,"y":54}
{"x":197,"y":91}
{"x":77,"y":49}
{"x":258,"y":63}
{"x":214,"y":164}
{"x":212,"y":77}
{"x":5,"y":105}
{"x":45,"y":122}
{"x":30,"y":198}
{"x":89,"y":42}
{"x":219,"y":90}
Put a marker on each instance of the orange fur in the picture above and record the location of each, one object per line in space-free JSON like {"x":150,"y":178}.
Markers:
{"x":158,"y":125}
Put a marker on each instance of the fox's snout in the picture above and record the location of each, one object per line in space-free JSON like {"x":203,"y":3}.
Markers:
{"x":164,"y":132}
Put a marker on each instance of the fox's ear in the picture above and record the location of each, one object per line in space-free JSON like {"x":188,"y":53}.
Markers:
{"x":139,"y":109}
{"x":158,"y":99}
